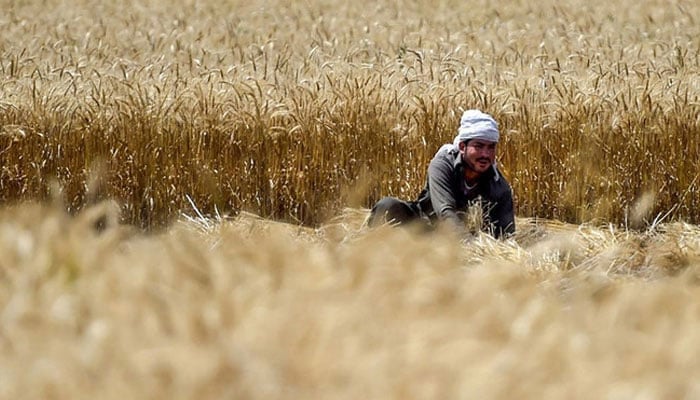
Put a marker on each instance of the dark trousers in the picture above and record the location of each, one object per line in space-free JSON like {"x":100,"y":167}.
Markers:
{"x":396,"y":212}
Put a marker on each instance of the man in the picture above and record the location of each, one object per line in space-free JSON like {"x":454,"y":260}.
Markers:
{"x":460,"y":174}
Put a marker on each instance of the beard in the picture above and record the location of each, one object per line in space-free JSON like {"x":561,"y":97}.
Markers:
{"x":473,"y":166}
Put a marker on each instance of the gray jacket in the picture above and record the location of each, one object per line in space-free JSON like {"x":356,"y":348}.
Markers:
{"x":445,"y":195}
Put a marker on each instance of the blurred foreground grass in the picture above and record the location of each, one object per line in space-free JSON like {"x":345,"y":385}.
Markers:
{"x":247,"y":308}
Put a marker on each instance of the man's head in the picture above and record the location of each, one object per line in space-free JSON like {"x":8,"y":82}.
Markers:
{"x":476,"y":140}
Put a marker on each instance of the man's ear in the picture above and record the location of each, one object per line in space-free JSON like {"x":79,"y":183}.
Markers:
{"x":462,"y":146}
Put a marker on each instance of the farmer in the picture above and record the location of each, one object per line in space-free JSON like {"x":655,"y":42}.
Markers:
{"x":460,"y":174}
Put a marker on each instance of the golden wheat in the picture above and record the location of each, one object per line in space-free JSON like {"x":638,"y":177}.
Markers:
{"x":140,"y":112}
{"x":294,"y":110}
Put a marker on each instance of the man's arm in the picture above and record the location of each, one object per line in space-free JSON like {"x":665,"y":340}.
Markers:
{"x":442,"y":194}
{"x":502,"y":216}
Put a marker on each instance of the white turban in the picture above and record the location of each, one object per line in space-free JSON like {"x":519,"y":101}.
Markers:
{"x":476,"y":125}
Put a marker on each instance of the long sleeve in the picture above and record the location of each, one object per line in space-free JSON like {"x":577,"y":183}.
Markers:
{"x":442,"y":196}
{"x":502,"y":215}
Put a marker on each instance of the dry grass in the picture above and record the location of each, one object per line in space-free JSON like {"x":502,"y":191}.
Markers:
{"x":247,"y":308}
{"x":296,"y":110}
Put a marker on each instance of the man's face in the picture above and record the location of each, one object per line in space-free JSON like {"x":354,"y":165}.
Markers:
{"x":478,"y":154}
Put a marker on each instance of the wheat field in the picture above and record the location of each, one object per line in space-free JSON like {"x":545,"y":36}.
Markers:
{"x":184,"y":187}
{"x":295,"y":111}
